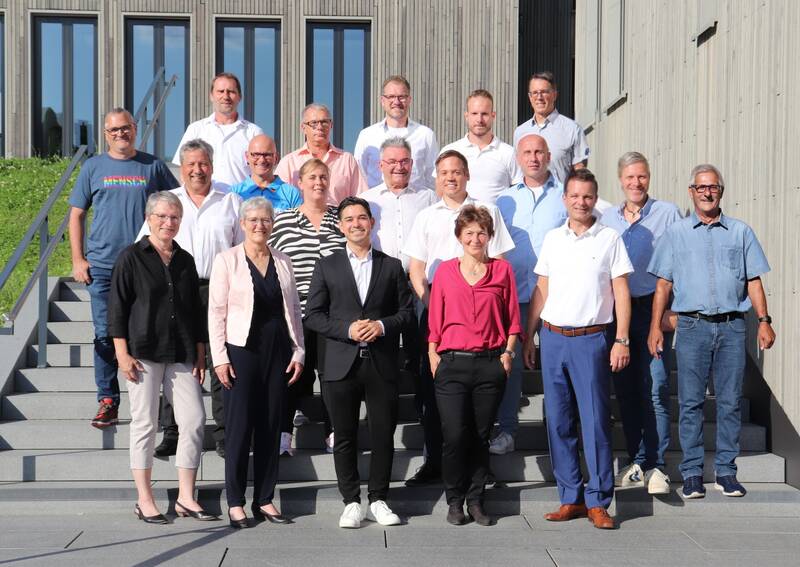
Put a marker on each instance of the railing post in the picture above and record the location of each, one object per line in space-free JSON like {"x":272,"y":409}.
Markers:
{"x":44,"y":312}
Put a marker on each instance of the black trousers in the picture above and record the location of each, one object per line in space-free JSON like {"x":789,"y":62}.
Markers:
{"x":426,"y":400}
{"x":344,"y":397}
{"x":303,"y":390}
{"x":469,"y":391}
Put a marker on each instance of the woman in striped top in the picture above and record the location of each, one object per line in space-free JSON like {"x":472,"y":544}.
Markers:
{"x":306,"y":234}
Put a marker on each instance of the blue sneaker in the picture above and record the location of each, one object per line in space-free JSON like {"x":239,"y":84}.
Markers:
{"x":729,"y":486}
{"x":693,"y":487}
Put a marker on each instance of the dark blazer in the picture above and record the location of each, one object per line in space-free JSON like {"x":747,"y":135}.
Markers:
{"x":333,"y":304}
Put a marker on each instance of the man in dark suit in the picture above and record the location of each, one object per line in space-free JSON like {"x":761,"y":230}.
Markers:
{"x":359,"y":301}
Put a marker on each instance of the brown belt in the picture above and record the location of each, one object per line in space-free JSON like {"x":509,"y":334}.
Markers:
{"x":574,"y":331}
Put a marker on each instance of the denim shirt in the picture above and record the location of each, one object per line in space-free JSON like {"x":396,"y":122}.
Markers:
{"x":709,"y":265}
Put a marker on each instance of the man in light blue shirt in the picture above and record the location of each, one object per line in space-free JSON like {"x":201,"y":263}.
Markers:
{"x":642,"y":387}
{"x":530,"y":209}
{"x":262,"y":156}
{"x":713,"y":265}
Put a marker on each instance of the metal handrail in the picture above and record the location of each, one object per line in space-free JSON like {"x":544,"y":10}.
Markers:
{"x":157,"y":112}
{"x":157,"y":84}
{"x":157,"y":79}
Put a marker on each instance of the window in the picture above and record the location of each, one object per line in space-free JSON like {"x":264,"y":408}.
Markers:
{"x":64,"y":85}
{"x":342,"y":88}
{"x":150,"y":45}
{"x":251,"y":51}
{"x":2,"y":86}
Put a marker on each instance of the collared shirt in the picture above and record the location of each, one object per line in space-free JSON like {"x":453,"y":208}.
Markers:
{"x":579,"y":271}
{"x":362,"y":272}
{"x":564,"y":137}
{"x":641,"y":237}
{"x":433,"y":240}
{"x":156,"y":307}
{"x":709,"y":265}
{"x":282,"y":195}
{"x":473,"y":317}
{"x":208,"y":229}
{"x":424,"y":151}
{"x":394,"y":216}
{"x":491,"y":169}
{"x":529,"y":219}
{"x":345,"y":175}
{"x":230,"y":142}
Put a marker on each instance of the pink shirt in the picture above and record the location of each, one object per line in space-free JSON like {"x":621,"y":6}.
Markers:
{"x":477,"y":317}
{"x":345,"y":175}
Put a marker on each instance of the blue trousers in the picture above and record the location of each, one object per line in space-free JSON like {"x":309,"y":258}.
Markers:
{"x":508,"y":414}
{"x":575,"y":371}
{"x":105,"y":362}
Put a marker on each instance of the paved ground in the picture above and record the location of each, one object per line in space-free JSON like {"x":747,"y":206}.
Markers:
{"x":53,"y":530}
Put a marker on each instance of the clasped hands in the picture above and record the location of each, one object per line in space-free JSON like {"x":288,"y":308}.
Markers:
{"x":365,"y":330}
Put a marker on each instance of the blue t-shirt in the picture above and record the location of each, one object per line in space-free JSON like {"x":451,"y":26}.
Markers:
{"x":282,"y":195}
{"x":117,"y":191}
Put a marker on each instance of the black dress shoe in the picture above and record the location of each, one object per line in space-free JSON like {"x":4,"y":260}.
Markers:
{"x":476,"y":512}
{"x":220,"y":448}
{"x":425,"y":475}
{"x":238,"y":524}
{"x":201,"y":515}
{"x":455,"y":515}
{"x":157,"y":519}
{"x":167,"y":448}
{"x":260,"y":515}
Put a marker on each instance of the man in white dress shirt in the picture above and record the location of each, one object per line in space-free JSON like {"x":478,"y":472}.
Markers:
{"x":492,"y":163}
{"x":396,"y":101}
{"x":225,"y":131}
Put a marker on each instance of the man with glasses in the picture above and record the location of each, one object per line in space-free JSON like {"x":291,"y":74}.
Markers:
{"x":713,"y":265}
{"x":396,"y":101}
{"x":262,"y":157}
{"x":345,"y":175}
{"x":565,"y":138}
{"x":116,"y":184}
{"x":225,"y":130}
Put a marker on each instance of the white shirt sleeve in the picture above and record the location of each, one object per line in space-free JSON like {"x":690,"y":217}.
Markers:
{"x":144,"y":231}
{"x":417,"y":246}
{"x":580,"y":151}
{"x":430,"y":159}
{"x":619,"y":262}
{"x":188,"y":135}
{"x":358,"y":151}
{"x":542,"y":267}
{"x":501,"y":242}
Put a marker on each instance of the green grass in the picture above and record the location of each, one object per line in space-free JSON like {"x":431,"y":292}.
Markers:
{"x":25,"y":185}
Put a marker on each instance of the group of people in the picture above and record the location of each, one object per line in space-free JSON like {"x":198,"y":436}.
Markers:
{"x":272,"y":272}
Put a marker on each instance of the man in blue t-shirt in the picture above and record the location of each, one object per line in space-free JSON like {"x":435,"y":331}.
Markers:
{"x":262,"y":156}
{"x":116,"y":185}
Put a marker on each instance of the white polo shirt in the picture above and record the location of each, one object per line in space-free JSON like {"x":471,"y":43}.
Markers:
{"x":207,"y":230}
{"x":579,"y":271}
{"x":424,"y":151}
{"x":492,"y":169}
{"x":230,"y":142}
{"x":394,"y":216}
{"x":433,"y":239}
{"x":565,"y":139}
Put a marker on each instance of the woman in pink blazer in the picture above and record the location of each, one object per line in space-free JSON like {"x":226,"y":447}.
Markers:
{"x":256,"y":336}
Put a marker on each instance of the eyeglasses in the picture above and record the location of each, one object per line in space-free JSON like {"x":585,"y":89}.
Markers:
{"x":127,"y":129}
{"x":397,"y":97}
{"x":165,"y":218}
{"x":258,"y":221}
{"x":715,"y":189}
{"x":318,"y":124}
{"x":257,"y":156}
{"x":536,"y":94}
{"x":393,"y":162}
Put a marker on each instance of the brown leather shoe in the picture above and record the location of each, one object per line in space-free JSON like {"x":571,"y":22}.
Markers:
{"x":567,"y":512}
{"x":600,"y":518}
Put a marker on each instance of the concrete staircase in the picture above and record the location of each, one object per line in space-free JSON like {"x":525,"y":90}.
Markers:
{"x":45,"y":433}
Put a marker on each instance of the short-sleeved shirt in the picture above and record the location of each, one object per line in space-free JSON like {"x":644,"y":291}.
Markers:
{"x":491,"y":169}
{"x":345,"y":175}
{"x":394,"y":215}
{"x":709,"y":265}
{"x":529,"y":219}
{"x":282,"y":195}
{"x":424,"y":151}
{"x":565,"y":139}
{"x":641,"y":237}
{"x":117,"y":191}
{"x":579,"y":271}
{"x":230,"y":142}
{"x":433,"y":239}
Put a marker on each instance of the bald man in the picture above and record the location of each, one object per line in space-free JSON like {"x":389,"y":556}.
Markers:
{"x":262,"y":156}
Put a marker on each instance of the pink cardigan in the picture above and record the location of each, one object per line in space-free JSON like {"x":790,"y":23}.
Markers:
{"x":230,"y":303}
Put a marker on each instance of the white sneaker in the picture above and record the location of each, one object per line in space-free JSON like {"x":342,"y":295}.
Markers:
{"x":657,"y":482}
{"x":300,"y":419}
{"x":286,"y":444}
{"x":329,"y":443}
{"x":379,"y":512}
{"x":632,"y":475}
{"x":502,"y":444}
{"x":352,"y":516}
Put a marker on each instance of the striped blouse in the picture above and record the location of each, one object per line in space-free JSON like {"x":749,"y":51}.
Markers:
{"x":294,"y":235}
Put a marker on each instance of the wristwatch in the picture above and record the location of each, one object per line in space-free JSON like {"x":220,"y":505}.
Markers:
{"x":623,"y":341}
{"x":510,"y":353}
{"x":765,"y":319}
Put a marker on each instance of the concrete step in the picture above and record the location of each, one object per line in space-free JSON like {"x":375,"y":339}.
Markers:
{"x":70,"y":311}
{"x":521,"y":466}
{"x":65,"y":356}
{"x":73,"y":291}
{"x":70,"y":332}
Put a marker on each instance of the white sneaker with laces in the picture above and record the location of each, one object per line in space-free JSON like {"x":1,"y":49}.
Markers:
{"x":656,"y":481}
{"x":286,"y":444}
{"x":380,"y":512}
{"x":352,"y":516}
{"x":502,"y":444}
{"x":632,"y":475}
{"x":329,"y":443}
{"x":300,"y":419}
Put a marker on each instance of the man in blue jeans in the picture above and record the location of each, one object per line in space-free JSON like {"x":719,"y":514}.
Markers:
{"x":116,"y":185}
{"x":713,"y":264}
